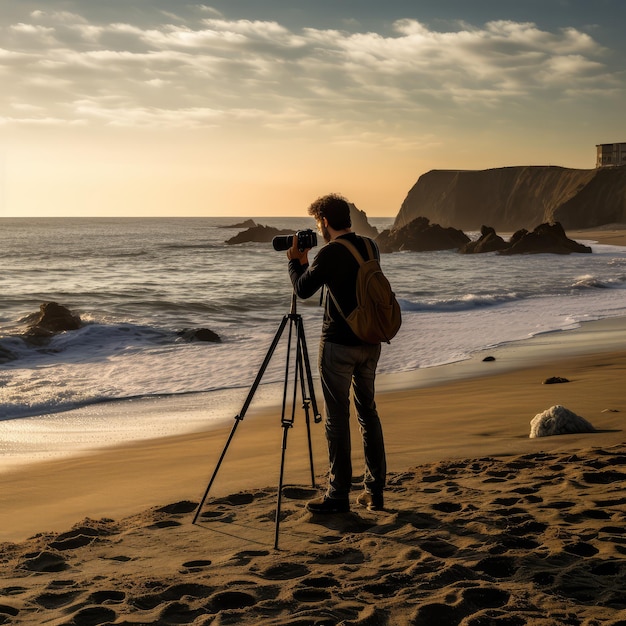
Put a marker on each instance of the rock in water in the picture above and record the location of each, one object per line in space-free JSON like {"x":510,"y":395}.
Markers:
{"x":558,"y":420}
{"x":421,"y":236}
{"x":200,"y":334}
{"x":53,"y":318}
{"x":258,"y":234}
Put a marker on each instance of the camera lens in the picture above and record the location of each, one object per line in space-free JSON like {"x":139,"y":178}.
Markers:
{"x":282,"y":242}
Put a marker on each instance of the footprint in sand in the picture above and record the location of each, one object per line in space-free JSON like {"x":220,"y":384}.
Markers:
{"x":178,"y":508}
{"x":581,"y":548}
{"x":7,"y":612}
{"x":321,"y":582}
{"x":56,"y":600}
{"x":13,"y":591}
{"x":166,"y":523}
{"x":604,"y":478}
{"x":307,"y":594}
{"x":246,"y":556}
{"x":242,"y":498}
{"x":439,"y":548}
{"x":192,"y":567}
{"x":225,"y":600}
{"x":108,"y":596}
{"x":76,"y":538}
{"x":345,"y":555}
{"x":218,"y":516}
{"x":285,"y":571}
{"x":389,"y":586}
{"x":299,"y":493}
{"x":497,"y":566}
{"x":171,"y":594}
{"x":94,"y":615}
{"x":44,"y":562}
{"x":447,"y":507}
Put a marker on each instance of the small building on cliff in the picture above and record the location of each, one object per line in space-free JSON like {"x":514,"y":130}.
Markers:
{"x":610,"y":154}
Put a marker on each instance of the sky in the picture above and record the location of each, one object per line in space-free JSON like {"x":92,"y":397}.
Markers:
{"x":256,"y":107}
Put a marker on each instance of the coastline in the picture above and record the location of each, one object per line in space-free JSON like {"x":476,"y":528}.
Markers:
{"x":481,"y":525}
{"x":452,"y":411}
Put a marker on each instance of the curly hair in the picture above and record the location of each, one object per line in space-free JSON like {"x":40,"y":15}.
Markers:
{"x":334,"y":208}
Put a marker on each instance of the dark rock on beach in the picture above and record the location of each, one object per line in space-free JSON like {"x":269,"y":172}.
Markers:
{"x":52,"y":318}
{"x":199,"y":334}
{"x":555,"y":380}
{"x":421,"y":236}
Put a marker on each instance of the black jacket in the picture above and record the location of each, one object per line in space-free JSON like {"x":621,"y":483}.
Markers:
{"x":335,"y":267}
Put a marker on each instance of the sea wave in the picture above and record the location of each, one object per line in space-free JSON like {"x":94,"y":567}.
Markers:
{"x":92,"y":342}
{"x":590,"y":281}
{"x":467,"y":302}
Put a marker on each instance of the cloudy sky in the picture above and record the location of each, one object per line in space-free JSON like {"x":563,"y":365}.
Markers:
{"x":256,"y":107}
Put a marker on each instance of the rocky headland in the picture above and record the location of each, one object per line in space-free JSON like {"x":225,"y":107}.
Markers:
{"x":512,"y":198}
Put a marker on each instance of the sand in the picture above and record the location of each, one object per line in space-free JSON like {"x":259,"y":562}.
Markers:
{"x":482,"y":525}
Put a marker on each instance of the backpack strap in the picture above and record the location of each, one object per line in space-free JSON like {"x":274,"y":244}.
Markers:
{"x":357,"y":255}
{"x":355,"y":252}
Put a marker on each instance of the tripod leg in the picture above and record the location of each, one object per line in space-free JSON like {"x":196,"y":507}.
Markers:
{"x":286,"y":427}
{"x":309,"y":377}
{"x":308,"y":398}
{"x":266,"y":361}
{"x":244,"y":408}
{"x":306,"y":405}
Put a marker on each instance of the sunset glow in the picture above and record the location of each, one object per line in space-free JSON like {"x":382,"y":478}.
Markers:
{"x":247,"y":108}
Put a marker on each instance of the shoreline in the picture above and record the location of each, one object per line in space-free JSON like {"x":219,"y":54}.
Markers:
{"x":482,"y":525}
{"x":463,"y":409}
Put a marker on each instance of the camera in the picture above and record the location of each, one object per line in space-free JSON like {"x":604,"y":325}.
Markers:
{"x":306,"y":239}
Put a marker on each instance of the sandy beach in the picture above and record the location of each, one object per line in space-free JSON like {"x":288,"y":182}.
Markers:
{"x":482,"y":524}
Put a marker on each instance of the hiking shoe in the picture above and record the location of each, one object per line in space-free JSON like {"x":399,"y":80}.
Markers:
{"x":371,"y":501}
{"x":327,"y":506}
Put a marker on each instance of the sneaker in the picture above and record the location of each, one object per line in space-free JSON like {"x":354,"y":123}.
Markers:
{"x":371,"y":501}
{"x":328,"y":505}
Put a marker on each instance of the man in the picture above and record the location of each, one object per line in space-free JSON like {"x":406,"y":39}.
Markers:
{"x":344,"y":360}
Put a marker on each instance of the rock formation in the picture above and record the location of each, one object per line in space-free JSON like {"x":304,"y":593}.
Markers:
{"x":545,"y":238}
{"x":549,"y":238}
{"x":199,"y":334}
{"x":244,"y":224}
{"x":421,"y":236}
{"x":258,"y":233}
{"x":489,"y":241}
{"x":52,"y":318}
{"x":511,"y":198}
{"x":558,"y":420}
{"x":264,"y":234}
{"x":360,"y":225}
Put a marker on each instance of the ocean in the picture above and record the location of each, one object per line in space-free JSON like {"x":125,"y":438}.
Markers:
{"x":137,"y":282}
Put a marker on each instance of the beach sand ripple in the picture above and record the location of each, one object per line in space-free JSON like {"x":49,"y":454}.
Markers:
{"x":529,"y":539}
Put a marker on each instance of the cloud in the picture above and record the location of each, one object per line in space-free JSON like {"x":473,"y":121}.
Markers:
{"x":204,"y":71}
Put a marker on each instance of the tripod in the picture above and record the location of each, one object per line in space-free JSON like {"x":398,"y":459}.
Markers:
{"x":302,"y":375}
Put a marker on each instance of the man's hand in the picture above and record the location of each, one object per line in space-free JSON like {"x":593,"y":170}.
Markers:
{"x":294,"y":254}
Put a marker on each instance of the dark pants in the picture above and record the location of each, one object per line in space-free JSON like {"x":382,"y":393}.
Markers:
{"x":340,"y":368}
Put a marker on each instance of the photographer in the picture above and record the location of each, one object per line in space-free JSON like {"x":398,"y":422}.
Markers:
{"x":344,"y":360}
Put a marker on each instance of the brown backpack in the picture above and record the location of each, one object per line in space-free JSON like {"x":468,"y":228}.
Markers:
{"x":377,"y":316}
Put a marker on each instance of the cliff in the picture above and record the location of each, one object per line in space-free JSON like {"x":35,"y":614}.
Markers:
{"x":511,"y":198}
